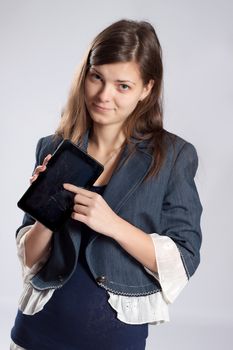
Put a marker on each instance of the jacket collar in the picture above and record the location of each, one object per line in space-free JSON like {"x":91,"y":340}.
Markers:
{"x":127,"y":178}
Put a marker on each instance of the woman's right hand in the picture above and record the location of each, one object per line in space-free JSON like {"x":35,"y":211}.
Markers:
{"x":40,"y":168}
{"x":37,"y":241}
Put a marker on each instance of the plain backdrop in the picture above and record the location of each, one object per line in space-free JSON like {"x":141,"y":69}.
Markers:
{"x":42,"y":42}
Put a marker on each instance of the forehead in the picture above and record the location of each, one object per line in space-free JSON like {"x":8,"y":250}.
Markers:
{"x":119,"y":71}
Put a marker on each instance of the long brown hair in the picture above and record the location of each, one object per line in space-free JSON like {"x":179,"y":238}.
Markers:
{"x":123,"y":41}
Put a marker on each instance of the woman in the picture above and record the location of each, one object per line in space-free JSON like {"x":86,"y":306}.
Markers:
{"x":134,"y":238}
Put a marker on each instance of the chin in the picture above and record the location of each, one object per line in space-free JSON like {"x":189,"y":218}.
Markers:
{"x":99,"y":120}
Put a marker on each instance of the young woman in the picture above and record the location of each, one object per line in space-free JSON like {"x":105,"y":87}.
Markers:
{"x":134,"y":239}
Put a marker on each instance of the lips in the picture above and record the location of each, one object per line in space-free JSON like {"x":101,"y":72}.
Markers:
{"x":102,"y":108}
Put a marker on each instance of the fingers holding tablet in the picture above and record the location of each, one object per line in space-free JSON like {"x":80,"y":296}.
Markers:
{"x":40,"y":168}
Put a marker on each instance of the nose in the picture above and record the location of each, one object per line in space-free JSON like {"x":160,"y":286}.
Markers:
{"x":105,"y":94}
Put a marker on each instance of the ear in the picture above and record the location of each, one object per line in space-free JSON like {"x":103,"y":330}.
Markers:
{"x":147,"y":89}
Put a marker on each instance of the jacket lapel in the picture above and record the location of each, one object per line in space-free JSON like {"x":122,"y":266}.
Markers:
{"x":125,"y":181}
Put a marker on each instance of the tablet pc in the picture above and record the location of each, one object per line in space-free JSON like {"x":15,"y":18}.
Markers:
{"x":46,"y":200}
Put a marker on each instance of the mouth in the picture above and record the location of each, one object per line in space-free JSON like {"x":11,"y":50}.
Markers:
{"x":102,"y":108}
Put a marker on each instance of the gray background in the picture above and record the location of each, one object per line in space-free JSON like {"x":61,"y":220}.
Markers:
{"x":41,"y":44}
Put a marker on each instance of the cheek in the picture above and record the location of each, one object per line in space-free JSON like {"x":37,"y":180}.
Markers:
{"x":89,"y":90}
{"x":128,"y":103}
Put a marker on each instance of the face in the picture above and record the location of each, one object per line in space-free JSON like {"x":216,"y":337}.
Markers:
{"x":112,"y":91}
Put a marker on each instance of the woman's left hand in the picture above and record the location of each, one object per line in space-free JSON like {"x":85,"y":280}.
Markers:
{"x":91,"y":209}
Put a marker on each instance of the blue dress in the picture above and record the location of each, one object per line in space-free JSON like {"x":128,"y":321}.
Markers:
{"x":78,"y":316}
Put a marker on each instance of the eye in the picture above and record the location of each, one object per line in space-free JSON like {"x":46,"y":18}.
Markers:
{"x":95,"y":76}
{"x":124,"y":87}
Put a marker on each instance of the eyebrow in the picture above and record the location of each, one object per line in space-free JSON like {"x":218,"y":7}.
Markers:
{"x":118,"y":80}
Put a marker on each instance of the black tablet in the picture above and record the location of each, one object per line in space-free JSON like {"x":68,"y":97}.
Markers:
{"x":46,"y":200}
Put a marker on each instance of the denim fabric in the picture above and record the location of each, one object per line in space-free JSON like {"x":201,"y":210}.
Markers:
{"x":167,"y":204}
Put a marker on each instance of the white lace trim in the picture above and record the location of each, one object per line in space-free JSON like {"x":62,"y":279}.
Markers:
{"x":14,"y":346}
{"x":152,"y":309}
{"x":171,"y":272}
{"x":31,"y":300}
{"x":137,"y":310}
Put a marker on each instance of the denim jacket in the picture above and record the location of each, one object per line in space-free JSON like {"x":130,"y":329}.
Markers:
{"x":167,"y":204}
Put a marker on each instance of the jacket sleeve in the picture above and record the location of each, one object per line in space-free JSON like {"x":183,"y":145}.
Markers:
{"x":27,"y":219}
{"x":181,"y":211}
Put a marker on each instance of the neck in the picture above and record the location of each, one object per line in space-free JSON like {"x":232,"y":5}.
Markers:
{"x":106,"y":137}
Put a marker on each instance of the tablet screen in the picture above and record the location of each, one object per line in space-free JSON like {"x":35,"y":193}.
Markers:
{"x":46,"y":200}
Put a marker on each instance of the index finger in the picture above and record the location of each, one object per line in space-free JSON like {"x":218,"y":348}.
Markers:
{"x":46,"y":159}
{"x":76,"y":189}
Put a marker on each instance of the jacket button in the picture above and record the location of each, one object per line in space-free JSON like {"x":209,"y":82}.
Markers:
{"x":100,"y":279}
{"x":60,"y":278}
